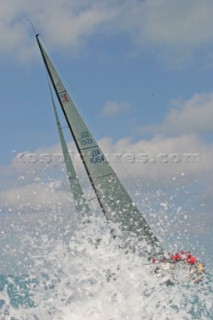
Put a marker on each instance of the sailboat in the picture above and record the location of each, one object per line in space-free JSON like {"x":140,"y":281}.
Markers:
{"x":126,"y":222}
{"x":80,"y":202}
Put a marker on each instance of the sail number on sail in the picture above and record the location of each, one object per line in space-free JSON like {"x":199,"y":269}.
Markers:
{"x":97,"y":156}
{"x":85,"y":138}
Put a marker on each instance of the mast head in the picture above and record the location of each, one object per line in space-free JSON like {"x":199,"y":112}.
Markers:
{"x":36,"y":34}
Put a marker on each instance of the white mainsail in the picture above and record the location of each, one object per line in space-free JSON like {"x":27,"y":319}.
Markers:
{"x":124,"y":218}
{"x":80,"y":202}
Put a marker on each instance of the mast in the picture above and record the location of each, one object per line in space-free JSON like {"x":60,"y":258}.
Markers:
{"x":126,"y":221}
{"x":80,"y":202}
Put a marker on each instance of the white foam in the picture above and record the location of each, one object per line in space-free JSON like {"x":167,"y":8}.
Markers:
{"x":101,"y":282}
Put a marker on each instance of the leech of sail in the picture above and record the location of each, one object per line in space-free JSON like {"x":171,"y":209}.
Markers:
{"x":126,"y":221}
{"x":81,"y":205}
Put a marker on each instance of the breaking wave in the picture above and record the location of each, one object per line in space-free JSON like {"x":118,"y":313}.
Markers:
{"x":84,"y":275}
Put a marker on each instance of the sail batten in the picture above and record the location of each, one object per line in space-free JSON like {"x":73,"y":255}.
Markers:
{"x":118,"y":207}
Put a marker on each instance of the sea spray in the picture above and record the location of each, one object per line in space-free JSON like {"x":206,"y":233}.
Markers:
{"x":79,"y":280}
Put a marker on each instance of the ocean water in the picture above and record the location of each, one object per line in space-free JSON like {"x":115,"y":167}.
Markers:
{"x":85,"y":276}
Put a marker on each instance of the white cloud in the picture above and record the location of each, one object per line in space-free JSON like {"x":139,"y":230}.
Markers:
{"x":158,"y":158}
{"x":112,"y":108}
{"x":76,"y":21}
{"x":182,"y":26}
{"x":168,"y":173}
{"x":37,"y":180}
{"x":41,"y":190}
{"x":162,"y":158}
{"x":191,"y":116}
{"x":64,"y":23}
{"x":176,"y":26}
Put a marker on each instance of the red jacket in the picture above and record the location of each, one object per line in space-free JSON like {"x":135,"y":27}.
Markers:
{"x":191,"y":259}
{"x":176,"y":257}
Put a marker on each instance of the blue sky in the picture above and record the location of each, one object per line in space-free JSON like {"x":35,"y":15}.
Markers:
{"x":141,"y":73}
